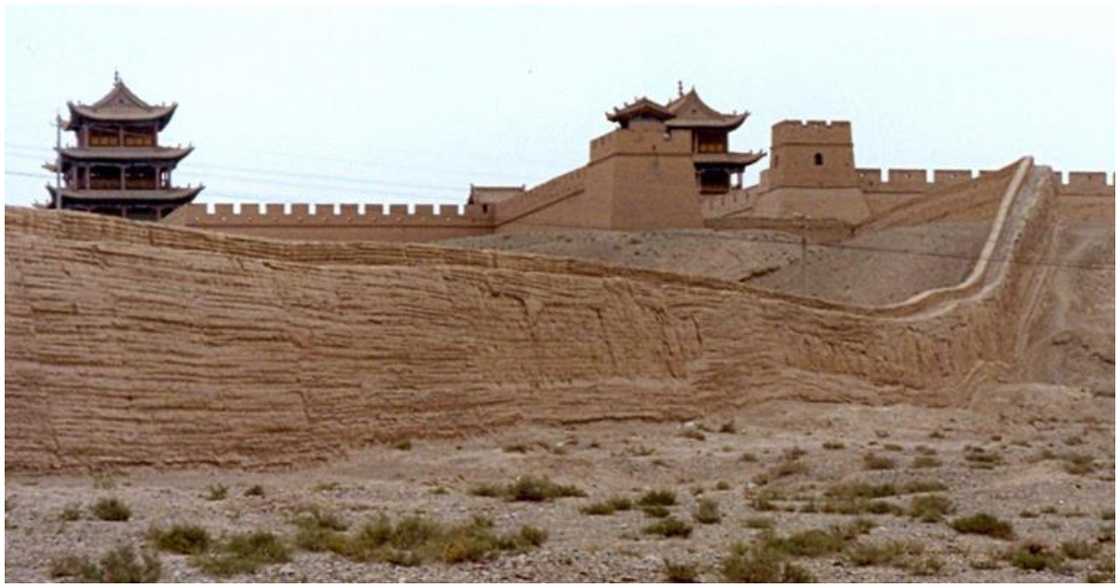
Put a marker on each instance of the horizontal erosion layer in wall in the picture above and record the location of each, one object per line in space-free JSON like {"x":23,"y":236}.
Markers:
{"x":136,"y":344}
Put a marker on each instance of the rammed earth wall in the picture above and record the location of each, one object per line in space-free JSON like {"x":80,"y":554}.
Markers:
{"x":138,"y":344}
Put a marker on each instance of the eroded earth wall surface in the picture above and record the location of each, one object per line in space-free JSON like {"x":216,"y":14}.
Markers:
{"x":136,"y":344}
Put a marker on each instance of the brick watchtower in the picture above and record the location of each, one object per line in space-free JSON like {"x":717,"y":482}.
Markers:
{"x":811,"y":154}
{"x":118,"y":166}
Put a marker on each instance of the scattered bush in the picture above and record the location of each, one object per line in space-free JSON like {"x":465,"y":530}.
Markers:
{"x":722,"y":485}
{"x":680,"y":573}
{"x":1080,"y":549}
{"x":72,"y":566}
{"x":216,"y":492}
{"x":925,"y":450}
{"x":669,"y":527}
{"x":255,"y":490}
{"x":813,"y":542}
{"x":1035,"y":556}
{"x":118,"y":565}
{"x":919,"y":486}
{"x":707,"y":512}
{"x":925,"y":461}
{"x":608,"y":506}
{"x":658,"y":498}
{"x":656,"y":511}
{"x":516,"y":448}
{"x":979,"y":458}
{"x":728,"y":428}
{"x":111,"y":509}
{"x":928,"y":566}
{"x":1078,"y":464}
{"x":872,"y":461}
{"x":892,"y":447}
{"x":832,"y":445}
{"x":243,"y":553}
{"x":748,"y":457}
{"x":415,"y":540}
{"x":528,"y":489}
{"x":861,"y":490}
{"x":181,"y":539}
{"x":889,"y":553}
{"x":760,"y":564}
{"x":931,"y":508}
{"x":403,"y":445}
{"x":983,"y":524}
{"x":71,"y":512}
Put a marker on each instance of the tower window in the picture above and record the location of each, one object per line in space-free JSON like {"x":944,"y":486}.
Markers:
{"x":818,"y":159}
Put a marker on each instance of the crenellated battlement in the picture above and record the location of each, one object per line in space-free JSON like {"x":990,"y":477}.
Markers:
{"x":1085,"y":184}
{"x":295,"y":215}
{"x":645,"y":139}
{"x":911,"y":180}
{"x":837,"y":132}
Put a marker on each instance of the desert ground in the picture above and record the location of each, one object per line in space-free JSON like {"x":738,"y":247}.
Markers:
{"x":773,"y":472}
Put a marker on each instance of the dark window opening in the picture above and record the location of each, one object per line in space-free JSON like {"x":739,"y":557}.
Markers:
{"x":818,"y":159}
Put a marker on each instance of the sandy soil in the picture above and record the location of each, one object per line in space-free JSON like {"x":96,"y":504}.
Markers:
{"x":1037,"y":495}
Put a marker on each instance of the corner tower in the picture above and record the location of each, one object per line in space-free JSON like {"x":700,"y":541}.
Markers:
{"x":118,"y":166}
{"x":811,"y":154}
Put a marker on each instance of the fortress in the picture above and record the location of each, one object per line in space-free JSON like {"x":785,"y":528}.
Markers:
{"x":666,"y":166}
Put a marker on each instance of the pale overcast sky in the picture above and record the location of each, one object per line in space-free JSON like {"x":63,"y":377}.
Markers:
{"x":412,"y":104}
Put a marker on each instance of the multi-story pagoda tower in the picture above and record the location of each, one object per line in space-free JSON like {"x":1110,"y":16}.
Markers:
{"x":715,"y":165}
{"x":118,"y":166}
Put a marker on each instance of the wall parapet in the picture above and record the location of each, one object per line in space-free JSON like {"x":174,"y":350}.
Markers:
{"x":909,"y":180}
{"x":813,"y":131}
{"x":1085,"y":184}
{"x":295,"y":215}
{"x":542,"y":195}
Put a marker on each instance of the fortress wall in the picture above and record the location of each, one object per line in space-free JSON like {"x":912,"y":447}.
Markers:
{"x":138,"y":344}
{"x":562,"y":201}
{"x":344,"y":222}
{"x":1086,"y":197}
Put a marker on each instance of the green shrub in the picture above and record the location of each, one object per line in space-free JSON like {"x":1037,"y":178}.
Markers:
{"x":931,"y":508}
{"x":760,"y":564}
{"x":679,"y":573}
{"x":1034,"y":556}
{"x":608,"y":506}
{"x":118,"y":565}
{"x":925,"y":461}
{"x":861,"y":490}
{"x":73,"y":566}
{"x":707,"y":512}
{"x":882,"y":554}
{"x":655,"y":511}
{"x":1080,"y":549}
{"x":111,"y":509}
{"x":243,"y":553}
{"x":415,"y":540}
{"x":872,"y":461}
{"x":927,"y":566}
{"x":217,"y":492}
{"x":669,"y":527}
{"x":658,"y":498}
{"x":528,"y":489}
{"x":983,"y":524}
{"x":811,"y":543}
{"x":71,"y":512}
{"x":181,"y":539}
{"x":403,"y":445}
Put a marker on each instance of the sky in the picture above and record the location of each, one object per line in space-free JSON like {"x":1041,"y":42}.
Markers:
{"x":412,"y":104}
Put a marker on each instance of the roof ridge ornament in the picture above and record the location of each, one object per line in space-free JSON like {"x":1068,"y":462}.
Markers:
{"x":116,"y":76}
{"x":680,"y":89}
